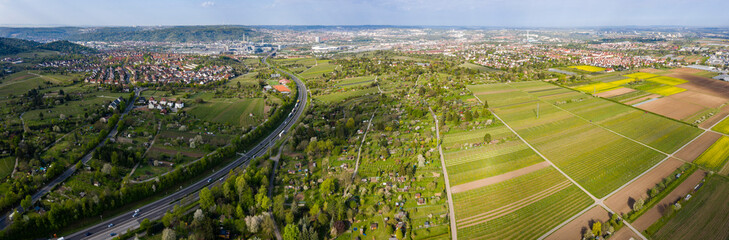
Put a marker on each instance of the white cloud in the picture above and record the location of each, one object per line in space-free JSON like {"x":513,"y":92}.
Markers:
{"x":207,"y":4}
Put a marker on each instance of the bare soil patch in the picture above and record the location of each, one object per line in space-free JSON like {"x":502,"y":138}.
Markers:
{"x":698,"y":146}
{"x":622,"y":201}
{"x":700,"y":99}
{"x":580,"y":225}
{"x":638,"y":100}
{"x":672,"y":108}
{"x":649,"y":70}
{"x":616,"y":92}
{"x":498,"y":178}
{"x":625,"y":233}
{"x":686,"y":70}
{"x":703,"y":84}
{"x":655,"y":213}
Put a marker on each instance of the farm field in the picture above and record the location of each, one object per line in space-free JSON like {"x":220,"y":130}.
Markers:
{"x":588,"y":68}
{"x":469,"y":164}
{"x":574,"y":228}
{"x":572,"y":127}
{"x":705,"y":216}
{"x":598,"y":87}
{"x":507,"y":210}
{"x":455,"y":139}
{"x":722,"y":127}
{"x":698,"y":146}
{"x":233,"y":111}
{"x":715,"y":157}
{"x":655,"y":213}
{"x":621,"y":202}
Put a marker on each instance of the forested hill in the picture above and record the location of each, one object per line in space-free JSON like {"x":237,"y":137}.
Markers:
{"x":155,"y":34}
{"x":13,"y":46}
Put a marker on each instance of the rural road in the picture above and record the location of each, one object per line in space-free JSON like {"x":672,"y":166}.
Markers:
{"x":157,"y":209}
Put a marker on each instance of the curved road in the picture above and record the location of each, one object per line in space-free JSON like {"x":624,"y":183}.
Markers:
{"x":157,"y":209}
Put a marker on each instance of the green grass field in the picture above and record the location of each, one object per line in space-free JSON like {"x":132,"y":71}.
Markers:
{"x":6,"y":166}
{"x":354,"y":82}
{"x":340,"y":96}
{"x":21,"y":82}
{"x":715,"y":157}
{"x":454,"y":139}
{"x":230,"y":111}
{"x":509,"y":209}
{"x":574,"y":131}
{"x":477,"y":67}
{"x":490,"y":160}
{"x":704,"y":216}
{"x":588,"y":68}
{"x":322,"y":67}
{"x":246,"y":80}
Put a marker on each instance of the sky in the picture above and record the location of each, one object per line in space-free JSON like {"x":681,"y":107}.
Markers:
{"x":498,"y":13}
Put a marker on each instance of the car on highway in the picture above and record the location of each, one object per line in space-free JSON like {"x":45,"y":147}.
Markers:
{"x":210,"y":180}
{"x":88,"y":234}
{"x":110,"y":225}
{"x":112,"y":234}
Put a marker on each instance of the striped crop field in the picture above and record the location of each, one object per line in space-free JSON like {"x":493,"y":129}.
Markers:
{"x":599,"y":143}
{"x":524,"y":207}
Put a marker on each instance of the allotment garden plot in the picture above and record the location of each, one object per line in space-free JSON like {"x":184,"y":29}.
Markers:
{"x":598,"y":143}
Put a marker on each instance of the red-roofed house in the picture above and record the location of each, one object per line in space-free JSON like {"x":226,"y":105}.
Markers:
{"x":282,"y":89}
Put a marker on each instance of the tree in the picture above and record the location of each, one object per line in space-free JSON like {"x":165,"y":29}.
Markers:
{"x":206,"y":199}
{"x":597,"y":228}
{"x":145,"y":224}
{"x":167,"y":219}
{"x":638,"y":204}
{"x":291,"y":232}
{"x":26,"y":203}
{"x":327,"y":187}
{"x":487,"y":138}
{"x":169,"y":234}
{"x":399,"y":234}
{"x":350,"y":124}
{"x":485,"y":104}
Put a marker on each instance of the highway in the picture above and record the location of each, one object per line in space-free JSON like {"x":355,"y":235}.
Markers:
{"x":157,"y":209}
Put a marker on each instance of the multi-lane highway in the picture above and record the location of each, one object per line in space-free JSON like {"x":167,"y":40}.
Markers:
{"x":157,"y":209}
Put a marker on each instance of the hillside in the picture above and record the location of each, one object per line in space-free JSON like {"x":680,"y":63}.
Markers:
{"x":155,"y":34}
{"x":14,"y":46}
